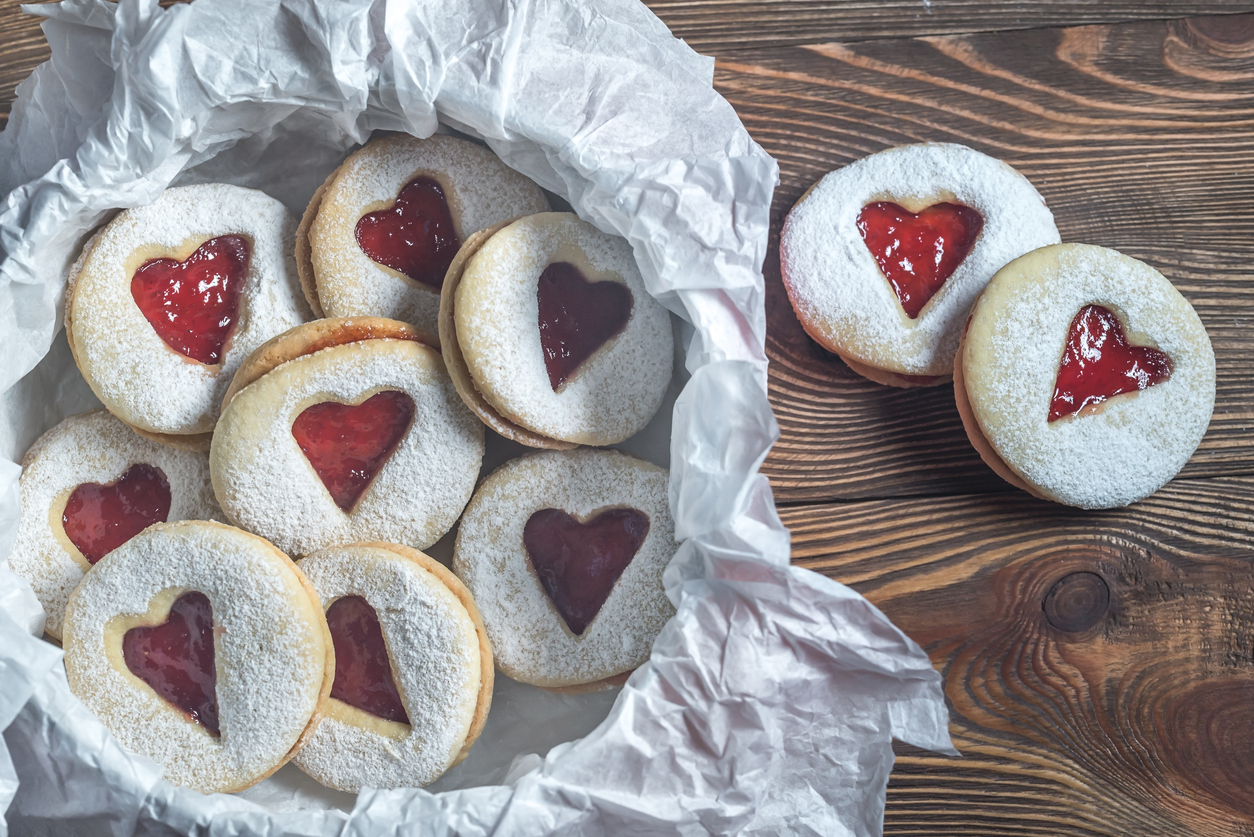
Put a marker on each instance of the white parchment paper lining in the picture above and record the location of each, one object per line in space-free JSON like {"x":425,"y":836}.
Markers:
{"x":770,"y":700}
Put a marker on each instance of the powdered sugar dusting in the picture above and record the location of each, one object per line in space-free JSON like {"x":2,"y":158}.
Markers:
{"x":836,"y":285}
{"x":130,"y":368}
{"x":616,"y":391}
{"x":266,"y":485}
{"x":1019,"y":329}
{"x":93,"y":447}
{"x":434,"y":650}
{"x":269,"y":651}
{"x":530,"y":641}
{"x":481,"y":191}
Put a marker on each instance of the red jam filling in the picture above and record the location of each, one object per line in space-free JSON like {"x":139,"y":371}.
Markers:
{"x":1098,"y":363}
{"x":577,"y":317}
{"x":363,"y":673}
{"x":192,"y":305}
{"x":917,"y":253}
{"x":415,"y":235}
{"x":579,"y":563}
{"x":176,"y":659}
{"x":100,"y":518}
{"x":347,"y":445}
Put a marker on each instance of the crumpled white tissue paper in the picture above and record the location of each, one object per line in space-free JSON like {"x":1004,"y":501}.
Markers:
{"x":770,"y":700}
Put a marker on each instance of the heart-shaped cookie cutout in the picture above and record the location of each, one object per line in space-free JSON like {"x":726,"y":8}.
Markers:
{"x":415,"y":235}
{"x":347,"y":445}
{"x":578,"y":563}
{"x":99,"y":518}
{"x":363,"y":672}
{"x":192,"y":304}
{"x":918,"y":252}
{"x":1098,"y":364}
{"x":577,"y":317}
{"x":177,"y":658}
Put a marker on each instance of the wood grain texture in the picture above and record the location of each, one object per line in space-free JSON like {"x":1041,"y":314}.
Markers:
{"x":1140,"y":138}
{"x":22,"y":48}
{"x":1099,"y":666}
{"x":718,"y":27}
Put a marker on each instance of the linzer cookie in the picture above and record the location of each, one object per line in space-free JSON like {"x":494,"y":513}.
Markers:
{"x":883,"y":258}
{"x":89,"y":485}
{"x":203,"y":648}
{"x":168,"y":299}
{"x":1084,"y":377}
{"x":564,"y":553}
{"x":550,"y":335}
{"x":379,"y":235}
{"x":345,"y":430}
{"x":413,"y":669}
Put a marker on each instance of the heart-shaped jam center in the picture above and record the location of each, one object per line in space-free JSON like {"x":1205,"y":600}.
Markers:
{"x":192,"y":304}
{"x":363,"y":672}
{"x":917,"y":253}
{"x":415,"y":235}
{"x":100,"y":518}
{"x":579,"y":563}
{"x":347,"y":445}
{"x":577,"y":317}
{"x":176,"y":658}
{"x":1098,"y":363}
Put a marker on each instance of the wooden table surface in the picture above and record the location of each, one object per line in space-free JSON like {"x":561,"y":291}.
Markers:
{"x":1099,"y":666}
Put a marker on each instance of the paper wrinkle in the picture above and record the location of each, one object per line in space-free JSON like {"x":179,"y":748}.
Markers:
{"x":769,"y":701}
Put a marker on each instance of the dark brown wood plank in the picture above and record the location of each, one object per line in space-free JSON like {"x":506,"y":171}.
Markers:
{"x":1121,"y":705}
{"x":22,"y":48}
{"x":718,"y":27}
{"x":1140,"y":137}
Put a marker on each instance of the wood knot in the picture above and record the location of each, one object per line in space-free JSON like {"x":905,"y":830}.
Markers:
{"x":1229,"y":36}
{"x":1077,"y":602}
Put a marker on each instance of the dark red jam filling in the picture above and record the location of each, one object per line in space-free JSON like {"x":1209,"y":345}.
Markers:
{"x":577,"y":317}
{"x":415,"y":235}
{"x":347,"y":445}
{"x":192,"y":305}
{"x":917,"y":253}
{"x":100,"y":518}
{"x":1098,"y":363}
{"x":363,"y":673}
{"x":579,"y":563}
{"x":176,"y":659}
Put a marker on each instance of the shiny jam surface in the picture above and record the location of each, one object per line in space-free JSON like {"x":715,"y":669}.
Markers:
{"x":1098,"y":363}
{"x":176,"y":658}
{"x":192,"y":304}
{"x":100,"y":518}
{"x":917,"y":253}
{"x":363,"y":673}
{"x":415,"y":235}
{"x":577,"y":317}
{"x":578,"y":563}
{"x":347,"y":445}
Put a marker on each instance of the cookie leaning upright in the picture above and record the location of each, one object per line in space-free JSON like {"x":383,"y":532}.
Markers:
{"x":345,"y":430}
{"x":1084,"y":377}
{"x":168,"y":299}
{"x":883,"y":258}
{"x":551,"y":336}
{"x":380,"y":233}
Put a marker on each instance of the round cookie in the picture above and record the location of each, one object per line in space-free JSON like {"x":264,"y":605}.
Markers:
{"x":349,"y":430}
{"x":378,"y":236}
{"x":1084,"y":377}
{"x":203,"y":648}
{"x":414,"y":672}
{"x":90,"y":484}
{"x":564,"y":553}
{"x":556,"y":335}
{"x":883,"y":258}
{"x":168,"y":299}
